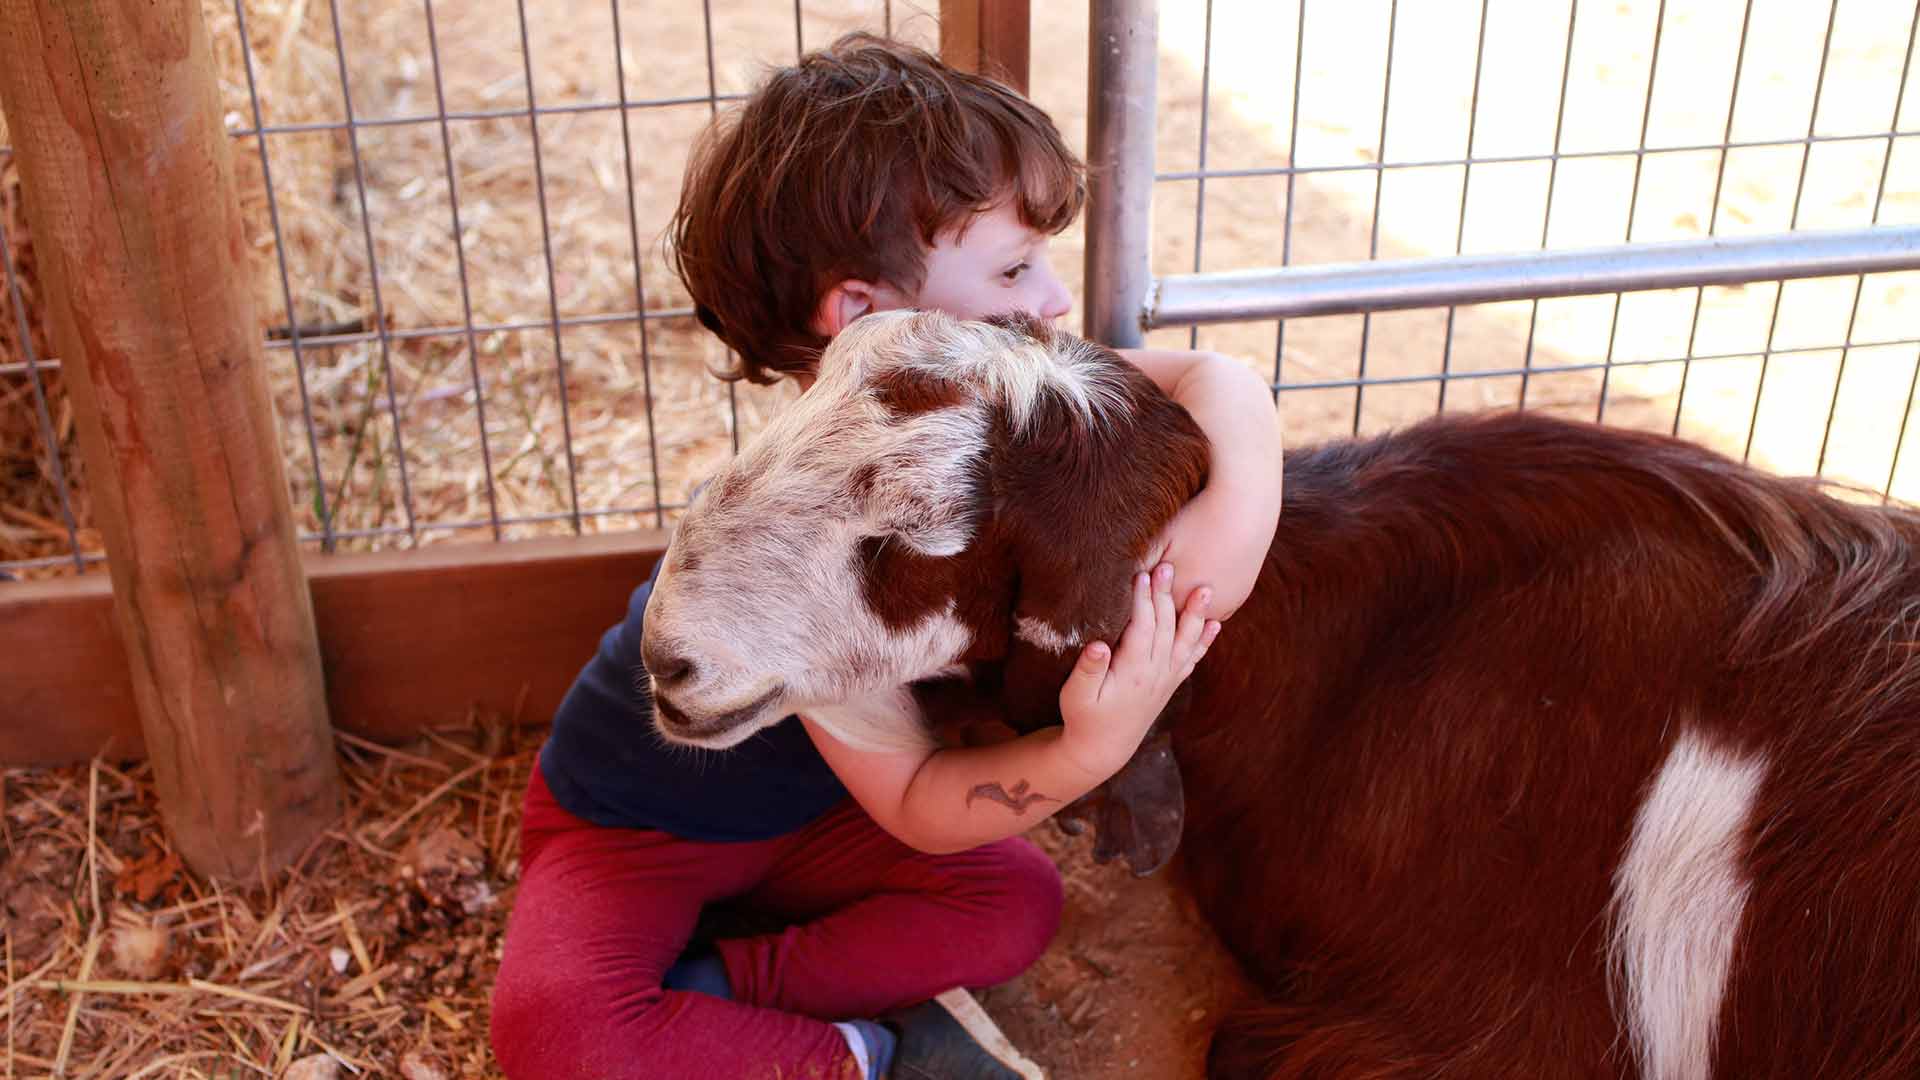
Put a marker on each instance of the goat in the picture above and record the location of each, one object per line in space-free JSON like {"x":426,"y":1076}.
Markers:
{"x":1541,"y":749}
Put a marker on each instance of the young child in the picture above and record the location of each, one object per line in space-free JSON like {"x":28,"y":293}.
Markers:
{"x":867,"y":177}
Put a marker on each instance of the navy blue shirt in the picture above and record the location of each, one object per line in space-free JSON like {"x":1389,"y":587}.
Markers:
{"x":605,"y":762}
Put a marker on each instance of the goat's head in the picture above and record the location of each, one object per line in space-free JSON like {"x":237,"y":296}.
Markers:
{"x":946,"y":492}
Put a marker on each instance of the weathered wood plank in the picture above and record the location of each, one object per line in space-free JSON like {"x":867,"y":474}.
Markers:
{"x":409,"y":640}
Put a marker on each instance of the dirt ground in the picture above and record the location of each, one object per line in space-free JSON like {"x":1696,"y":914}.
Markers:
{"x":1133,"y":985}
{"x":378,"y":951}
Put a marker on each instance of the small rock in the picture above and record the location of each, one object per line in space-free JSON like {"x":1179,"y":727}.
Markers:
{"x":139,"y":952}
{"x":448,"y":870}
{"x":478,"y":897}
{"x":416,"y":1065}
{"x":313,"y":1067}
{"x":339,"y":957}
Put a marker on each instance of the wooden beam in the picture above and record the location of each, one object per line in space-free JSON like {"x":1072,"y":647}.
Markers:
{"x":409,"y":639}
{"x":115,"y":115}
{"x":991,"y":37}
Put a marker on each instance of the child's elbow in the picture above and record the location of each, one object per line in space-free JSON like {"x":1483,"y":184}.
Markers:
{"x":928,"y":840}
{"x":924,"y":835}
{"x":1235,"y":370}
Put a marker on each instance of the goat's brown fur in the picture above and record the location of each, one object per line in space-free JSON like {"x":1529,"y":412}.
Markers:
{"x":1413,"y":760}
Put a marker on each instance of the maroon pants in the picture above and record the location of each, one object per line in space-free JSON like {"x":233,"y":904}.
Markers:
{"x":601,"y":913}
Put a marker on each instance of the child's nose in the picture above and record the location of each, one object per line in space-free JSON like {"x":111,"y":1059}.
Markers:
{"x":1057,"y":301}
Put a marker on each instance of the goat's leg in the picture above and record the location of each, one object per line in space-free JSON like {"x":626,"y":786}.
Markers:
{"x":1144,"y":810}
{"x":1140,"y":813}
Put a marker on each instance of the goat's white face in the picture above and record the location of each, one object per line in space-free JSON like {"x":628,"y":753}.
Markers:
{"x":762,"y":609}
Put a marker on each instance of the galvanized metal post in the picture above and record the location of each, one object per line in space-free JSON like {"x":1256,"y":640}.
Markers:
{"x":1122,"y":66}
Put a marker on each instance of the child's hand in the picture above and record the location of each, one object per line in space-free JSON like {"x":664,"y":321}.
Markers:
{"x":1112,"y":698}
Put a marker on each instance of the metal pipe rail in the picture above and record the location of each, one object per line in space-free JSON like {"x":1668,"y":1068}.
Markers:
{"x":1352,"y":288}
{"x":1122,"y":73}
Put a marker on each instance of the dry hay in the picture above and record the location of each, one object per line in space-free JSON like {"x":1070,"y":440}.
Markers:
{"x":376,"y":949}
{"x":375,"y":954}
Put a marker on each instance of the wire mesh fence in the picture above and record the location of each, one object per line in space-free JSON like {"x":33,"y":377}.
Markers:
{"x":1329,"y":133}
{"x":456,"y":216}
{"x":457,"y":212}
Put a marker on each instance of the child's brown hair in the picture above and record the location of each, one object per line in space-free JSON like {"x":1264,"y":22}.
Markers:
{"x":847,"y":165}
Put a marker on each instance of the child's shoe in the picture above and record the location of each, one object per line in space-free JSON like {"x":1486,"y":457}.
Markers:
{"x":950,"y":1038}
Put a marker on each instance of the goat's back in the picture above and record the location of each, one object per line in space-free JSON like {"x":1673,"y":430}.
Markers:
{"x":1548,"y":749}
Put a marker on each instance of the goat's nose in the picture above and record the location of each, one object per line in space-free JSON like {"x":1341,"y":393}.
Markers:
{"x":667,"y":666}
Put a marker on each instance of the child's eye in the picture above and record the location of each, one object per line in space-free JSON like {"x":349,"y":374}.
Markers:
{"x":1012,"y":273}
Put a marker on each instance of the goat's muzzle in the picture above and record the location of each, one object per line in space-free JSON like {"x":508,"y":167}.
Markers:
{"x":716,"y":731}
{"x":667,"y":666}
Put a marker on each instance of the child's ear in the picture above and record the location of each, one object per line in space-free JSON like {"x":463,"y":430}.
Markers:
{"x":841,"y":305}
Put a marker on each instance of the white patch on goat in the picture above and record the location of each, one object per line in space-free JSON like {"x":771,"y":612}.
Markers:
{"x":923,"y":477}
{"x":1679,"y":895}
{"x":1034,"y":632}
{"x":889,"y":718}
{"x":1015,"y":371}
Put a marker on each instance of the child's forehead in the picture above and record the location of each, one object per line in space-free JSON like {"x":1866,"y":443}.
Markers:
{"x":996,"y":230}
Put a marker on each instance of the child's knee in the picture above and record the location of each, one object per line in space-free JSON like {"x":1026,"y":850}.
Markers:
{"x":1037,"y":900}
{"x":1021,"y":912}
{"x":514,"y":1023}
{"x":526,"y":1041}
{"x":545,"y":1022}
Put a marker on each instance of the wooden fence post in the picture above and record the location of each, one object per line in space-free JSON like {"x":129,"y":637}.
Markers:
{"x":114,"y":112}
{"x":987,"y":36}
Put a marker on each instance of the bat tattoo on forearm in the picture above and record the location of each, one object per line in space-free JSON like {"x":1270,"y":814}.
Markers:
{"x":1017,"y":800}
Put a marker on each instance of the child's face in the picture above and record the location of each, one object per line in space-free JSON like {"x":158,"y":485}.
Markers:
{"x":997,"y":267}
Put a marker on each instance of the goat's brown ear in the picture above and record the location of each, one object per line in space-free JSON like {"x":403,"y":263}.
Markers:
{"x":1080,"y":499}
{"x":1083,"y":487}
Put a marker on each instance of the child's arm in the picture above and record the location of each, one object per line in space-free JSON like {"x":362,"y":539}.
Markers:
{"x":954,"y":799}
{"x":1221,"y":537}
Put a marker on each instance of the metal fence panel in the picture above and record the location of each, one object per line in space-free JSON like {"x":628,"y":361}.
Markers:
{"x":1343,"y":134}
{"x":458,"y":213}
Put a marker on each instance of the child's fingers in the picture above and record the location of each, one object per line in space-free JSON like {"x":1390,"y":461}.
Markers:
{"x":1207,"y":636}
{"x":1190,"y":660}
{"x":1136,"y":641}
{"x":1089,"y":673}
{"x":1193,"y":623}
{"x":1164,"y":619}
